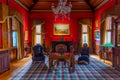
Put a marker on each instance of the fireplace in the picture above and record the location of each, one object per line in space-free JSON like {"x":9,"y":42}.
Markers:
{"x":67,"y":43}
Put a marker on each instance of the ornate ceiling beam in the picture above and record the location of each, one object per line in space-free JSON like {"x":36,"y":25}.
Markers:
{"x":33,"y":4}
{"x":89,"y":4}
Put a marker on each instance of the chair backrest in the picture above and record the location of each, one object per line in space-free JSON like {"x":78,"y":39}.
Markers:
{"x":37,"y":50}
{"x":85,"y":50}
{"x":61,"y":48}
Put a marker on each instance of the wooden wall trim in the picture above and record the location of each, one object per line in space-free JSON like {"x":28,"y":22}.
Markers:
{"x":116,"y":58}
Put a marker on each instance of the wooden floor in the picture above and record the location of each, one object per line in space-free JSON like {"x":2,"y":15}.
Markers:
{"x":15,"y":66}
{"x":103,"y":60}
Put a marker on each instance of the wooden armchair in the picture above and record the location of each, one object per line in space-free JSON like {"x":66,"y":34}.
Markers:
{"x":61,"y":48}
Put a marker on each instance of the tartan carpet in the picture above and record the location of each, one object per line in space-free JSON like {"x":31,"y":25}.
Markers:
{"x":95,"y":70}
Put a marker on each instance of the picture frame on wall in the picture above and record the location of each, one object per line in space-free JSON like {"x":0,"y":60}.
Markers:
{"x":61,"y":29}
{"x":97,"y":35}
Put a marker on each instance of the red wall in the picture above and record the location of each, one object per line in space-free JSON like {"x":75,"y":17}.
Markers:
{"x":3,"y":1}
{"x":49,"y":24}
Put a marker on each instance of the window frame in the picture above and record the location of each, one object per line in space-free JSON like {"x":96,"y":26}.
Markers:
{"x":38,"y":33}
{"x":108,"y":28}
{"x":85,"y":32}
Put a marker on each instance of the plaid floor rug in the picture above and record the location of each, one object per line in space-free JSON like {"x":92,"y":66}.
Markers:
{"x":96,"y":70}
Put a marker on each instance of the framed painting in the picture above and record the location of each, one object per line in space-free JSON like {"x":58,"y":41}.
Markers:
{"x":61,"y":29}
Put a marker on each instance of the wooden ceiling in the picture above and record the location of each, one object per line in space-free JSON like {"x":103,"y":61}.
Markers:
{"x":45,"y":5}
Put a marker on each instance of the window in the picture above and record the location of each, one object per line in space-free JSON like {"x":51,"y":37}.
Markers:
{"x":84,"y":34}
{"x":38,"y":34}
{"x":38,"y":28}
{"x":38,"y":39}
{"x":108,"y":30}
{"x":108,"y":37}
{"x":85,"y":39}
{"x":14,"y":35}
{"x":108,"y":23}
{"x":84,"y":28}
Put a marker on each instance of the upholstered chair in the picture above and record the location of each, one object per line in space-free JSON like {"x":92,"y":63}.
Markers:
{"x":84,"y":54}
{"x":37,"y":53}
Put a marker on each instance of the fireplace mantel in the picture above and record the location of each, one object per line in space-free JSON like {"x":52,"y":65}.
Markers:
{"x":67,"y":43}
